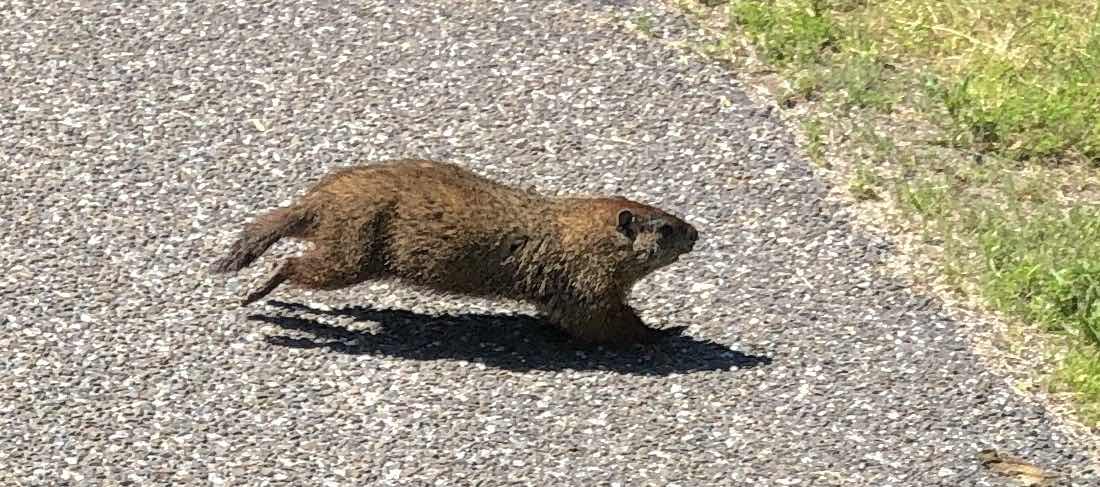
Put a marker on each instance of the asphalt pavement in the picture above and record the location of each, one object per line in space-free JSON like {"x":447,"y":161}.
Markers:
{"x":137,"y":137}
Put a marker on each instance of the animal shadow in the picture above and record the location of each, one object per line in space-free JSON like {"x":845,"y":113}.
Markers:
{"x":512,"y":342}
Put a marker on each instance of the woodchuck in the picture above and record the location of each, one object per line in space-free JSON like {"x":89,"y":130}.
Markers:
{"x":436,"y":225}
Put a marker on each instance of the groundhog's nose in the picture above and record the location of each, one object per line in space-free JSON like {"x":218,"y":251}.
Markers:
{"x":693,"y":235}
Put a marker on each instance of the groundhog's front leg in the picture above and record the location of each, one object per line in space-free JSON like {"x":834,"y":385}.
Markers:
{"x":617,"y":324}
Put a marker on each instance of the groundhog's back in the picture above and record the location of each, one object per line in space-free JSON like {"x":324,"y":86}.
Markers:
{"x":444,"y":226}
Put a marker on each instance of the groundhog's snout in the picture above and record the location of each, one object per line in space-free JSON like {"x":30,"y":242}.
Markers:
{"x":688,"y":235}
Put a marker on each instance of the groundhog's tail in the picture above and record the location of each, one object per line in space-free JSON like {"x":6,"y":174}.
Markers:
{"x":260,"y":235}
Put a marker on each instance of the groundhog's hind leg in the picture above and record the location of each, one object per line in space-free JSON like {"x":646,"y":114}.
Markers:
{"x":320,"y":269}
{"x":277,"y":277}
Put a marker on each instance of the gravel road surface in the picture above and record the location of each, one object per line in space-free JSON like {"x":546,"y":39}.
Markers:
{"x":136,"y":137}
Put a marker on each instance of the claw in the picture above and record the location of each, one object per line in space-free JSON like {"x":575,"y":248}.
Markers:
{"x":273,"y":281}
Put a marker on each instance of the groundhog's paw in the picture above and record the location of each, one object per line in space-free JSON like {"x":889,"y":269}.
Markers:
{"x":649,"y":336}
{"x":673,"y":331}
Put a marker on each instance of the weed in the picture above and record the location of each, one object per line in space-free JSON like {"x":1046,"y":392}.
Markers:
{"x":803,"y":87}
{"x":863,"y":183}
{"x":815,"y":135}
{"x":880,"y":146}
{"x":644,"y":24}
{"x":1080,"y":372}
{"x":861,"y":79}
{"x":927,"y":198}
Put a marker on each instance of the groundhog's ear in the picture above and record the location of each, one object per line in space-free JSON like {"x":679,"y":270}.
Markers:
{"x":625,"y":218}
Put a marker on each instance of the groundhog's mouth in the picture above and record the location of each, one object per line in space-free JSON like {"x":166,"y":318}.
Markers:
{"x":669,"y":258}
{"x":657,"y":258}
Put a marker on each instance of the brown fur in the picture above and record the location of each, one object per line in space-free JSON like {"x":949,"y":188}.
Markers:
{"x":437,"y":225}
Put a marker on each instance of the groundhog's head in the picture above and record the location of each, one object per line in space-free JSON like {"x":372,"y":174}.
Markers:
{"x":652,"y":237}
{"x":633,"y":238}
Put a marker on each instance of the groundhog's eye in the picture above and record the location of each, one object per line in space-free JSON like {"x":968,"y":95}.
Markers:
{"x":625,"y":224}
{"x":625,"y":218}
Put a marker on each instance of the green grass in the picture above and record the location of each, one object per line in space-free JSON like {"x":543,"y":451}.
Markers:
{"x":1018,"y":79}
{"x":1019,"y":117}
{"x":980,"y":120}
{"x":1046,"y":268}
{"x":1080,"y":373}
{"x":786,"y":32}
